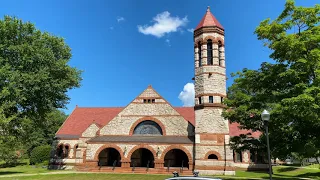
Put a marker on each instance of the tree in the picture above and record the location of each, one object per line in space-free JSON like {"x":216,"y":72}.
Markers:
{"x":37,"y":135}
{"x":289,"y":87}
{"x":34,"y":76}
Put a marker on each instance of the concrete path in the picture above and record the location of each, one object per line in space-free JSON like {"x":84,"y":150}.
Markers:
{"x":77,"y":172}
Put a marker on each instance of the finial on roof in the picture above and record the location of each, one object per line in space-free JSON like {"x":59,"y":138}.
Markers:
{"x":149,"y":85}
{"x":76,"y":105}
{"x":208,"y":9}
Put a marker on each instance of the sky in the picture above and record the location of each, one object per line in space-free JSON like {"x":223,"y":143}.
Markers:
{"x":125,"y":45}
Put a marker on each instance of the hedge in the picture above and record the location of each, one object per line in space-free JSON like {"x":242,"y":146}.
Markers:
{"x":40,"y":154}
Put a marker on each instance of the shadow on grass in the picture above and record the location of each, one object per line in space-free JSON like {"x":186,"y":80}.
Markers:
{"x":286,"y":169}
{"x":12,"y":165}
{"x":8,"y":172}
{"x":310,"y":175}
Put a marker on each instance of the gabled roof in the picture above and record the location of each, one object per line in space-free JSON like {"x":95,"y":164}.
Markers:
{"x":82,"y":117}
{"x":209,"y":20}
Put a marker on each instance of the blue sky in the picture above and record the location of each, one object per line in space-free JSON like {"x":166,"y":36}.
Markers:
{"x":119,"y":61}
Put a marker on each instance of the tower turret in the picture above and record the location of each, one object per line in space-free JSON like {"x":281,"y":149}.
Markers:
{"x":211,"y":129}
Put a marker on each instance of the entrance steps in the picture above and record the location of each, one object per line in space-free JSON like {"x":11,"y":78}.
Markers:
{"x":137,"y":170}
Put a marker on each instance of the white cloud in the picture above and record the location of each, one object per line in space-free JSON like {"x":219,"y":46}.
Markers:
{"x":119,"y":19}
{"x":187,"y":95}
{"x":168,"y":42}
{"x":190,"y":30}
{"x":111,"y":28}
{"x":163,"y":23}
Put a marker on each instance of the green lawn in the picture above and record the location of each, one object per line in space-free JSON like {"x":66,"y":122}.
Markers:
{"x":283,"y":172}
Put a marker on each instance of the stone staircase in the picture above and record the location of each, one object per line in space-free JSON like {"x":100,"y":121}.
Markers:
{"x":137,"y":170}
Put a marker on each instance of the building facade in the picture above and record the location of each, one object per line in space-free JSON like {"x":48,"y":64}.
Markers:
{"x":150,"y":135}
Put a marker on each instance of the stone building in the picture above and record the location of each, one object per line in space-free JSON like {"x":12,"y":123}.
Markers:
{"x":150,"y":135}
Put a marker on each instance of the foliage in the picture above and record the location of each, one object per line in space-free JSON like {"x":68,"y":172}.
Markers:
{"x":34,"y":80}
{"x":37,"y":135}
{"x":40,"y":154}
{"x":289,"y":88}
{"x":10,"y":150}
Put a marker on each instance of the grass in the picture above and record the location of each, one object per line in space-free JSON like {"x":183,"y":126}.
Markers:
{"x":280,"y":173}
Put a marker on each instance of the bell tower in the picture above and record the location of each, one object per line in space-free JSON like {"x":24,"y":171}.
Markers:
{"x":212,"y":152}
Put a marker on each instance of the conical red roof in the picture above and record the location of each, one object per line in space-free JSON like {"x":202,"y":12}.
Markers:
{"x":208,"y":20}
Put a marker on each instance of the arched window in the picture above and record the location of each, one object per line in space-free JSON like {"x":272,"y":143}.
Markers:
{"x":199,"y":53}
{"x":213,"y":156}
{"x":219,"y":52}
{"x":147,"y":128}
{"x":209,"y":52}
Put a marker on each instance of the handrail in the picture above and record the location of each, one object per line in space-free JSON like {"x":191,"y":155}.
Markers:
{"x":114,"y":164}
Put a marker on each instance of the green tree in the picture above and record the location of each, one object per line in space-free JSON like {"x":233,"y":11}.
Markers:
{"x":34,"y":76}
{"x":37,"y":135}
{"x":289,"y":87}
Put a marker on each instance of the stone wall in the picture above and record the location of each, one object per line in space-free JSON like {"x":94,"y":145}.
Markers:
{"x":91,"y":131}
{"x":209,"y":120}
{"x":214,"y":83}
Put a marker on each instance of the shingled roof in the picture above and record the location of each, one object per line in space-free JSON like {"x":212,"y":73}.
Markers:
{"x":209,"y":20}
{"x":82,"y":117}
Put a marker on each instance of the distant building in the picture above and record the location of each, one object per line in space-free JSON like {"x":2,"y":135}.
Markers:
{"x":151,"y":135}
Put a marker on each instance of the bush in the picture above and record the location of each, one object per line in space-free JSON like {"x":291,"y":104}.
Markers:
{"x":40,"y":154}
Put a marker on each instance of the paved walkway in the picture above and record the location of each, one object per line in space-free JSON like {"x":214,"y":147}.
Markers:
{"x":77,"y":172}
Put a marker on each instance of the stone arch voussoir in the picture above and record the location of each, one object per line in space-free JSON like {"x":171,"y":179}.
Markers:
{"x":96,"y":156}
{"x":213,"y":152}
{"x":154,"y":153}
{"x":163,"y":154}
{"x":146,"y":118}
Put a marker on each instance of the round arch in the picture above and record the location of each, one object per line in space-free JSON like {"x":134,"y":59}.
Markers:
{"x":163,"y":154}
{"x":147,"y":118}
{"x":213,"y":153}
{"x":154,"y":153}
{"x":221,"y":40}
{"x":209,"y":37}
{"x":96,"y":156}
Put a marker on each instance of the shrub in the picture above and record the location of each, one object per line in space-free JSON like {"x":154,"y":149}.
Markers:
{"x":40,"y":154}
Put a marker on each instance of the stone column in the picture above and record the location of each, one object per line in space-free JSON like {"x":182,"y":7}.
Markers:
{"x":158,"y":164}
{"x":222,"y":56}
{"x":215,"y":54}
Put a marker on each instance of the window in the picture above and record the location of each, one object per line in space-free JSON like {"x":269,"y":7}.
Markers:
{"x":200,"y":100}
{"x":237,"y":156}
{"x":199,"y":53}
{"x":221,"y":100}
{"x":149,"y":100}
{"x":209,"y":52}
{"x":210,"y":99}
{"x":153,"y":100}
{"x":213,"y":156}
{"x":147,"y":128}
{"x":219,"y":52}
{"x":144,"y":101}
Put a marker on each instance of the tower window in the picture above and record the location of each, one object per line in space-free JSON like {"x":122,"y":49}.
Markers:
{"x":209,"y":52}
{"x":221,"y":99}
{"x":219,"y":52}
{"x":210,"y":99}
{"x":200,"y":100}
{"x":199,"y":53}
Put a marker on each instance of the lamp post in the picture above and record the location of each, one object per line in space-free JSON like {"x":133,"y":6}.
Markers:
{"x":265,"y":116}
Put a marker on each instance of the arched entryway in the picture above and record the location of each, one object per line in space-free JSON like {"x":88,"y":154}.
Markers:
{"x":109,"y":157}
{"x":176,"y":158}
{"x":142,"y":158}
